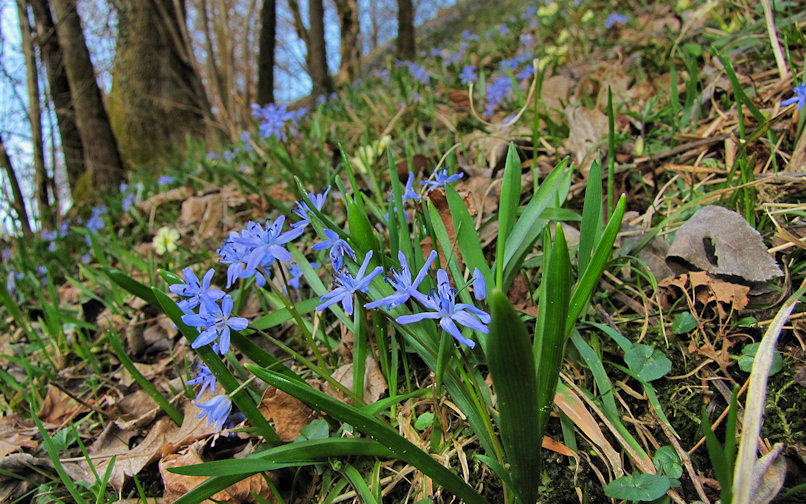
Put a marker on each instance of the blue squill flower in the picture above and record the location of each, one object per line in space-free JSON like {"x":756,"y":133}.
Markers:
{"x":164,"y":179}
{"x":265,"y":245}
{"x":799,"y":98}
{"x":217,"y":323}
{"x":468,"y":74}
{"x":615,"y":18}
{"x":405,"y":287}
{"x":194,"y":290}
{"x":216,"y":410}
{"x":479,"y":285}
{"x":441,"y":178}
{"x":338,"y":248}
{"x":346,"y":286}
{"x":445,"y":308}
{"x":271,"y":119}
{"x":204,"y":377}
{"x":302,"y":209}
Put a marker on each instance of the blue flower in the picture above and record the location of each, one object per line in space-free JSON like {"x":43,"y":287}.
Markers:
{"x":417,"y":72}
{"x":235,"y":254}
{"x":441,"y":178}
{"x":194,"y":290}
{"x":479,"y":285}
{"x":496,"y":92}
{"x":164,"y":179}
{"x":216,"y":410}
{"x":615,"y":18}
{"x":217,"y":322}
{"x":346,"y":286}
{"x":404,"y":286}
{"x":799,"y":98}
{"x":272,"y":119}
{"x":469,"y":36}
{"x":206,"y":378}
{"x":302,"y":208}
{"x":468,"y":74}
{"x":296,"y":274}
{"x":443,"y":302}
{"x":338,"y":248}
{"x":266,"y":245}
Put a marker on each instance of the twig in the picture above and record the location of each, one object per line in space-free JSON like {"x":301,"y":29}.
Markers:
{"x":683,"y":458}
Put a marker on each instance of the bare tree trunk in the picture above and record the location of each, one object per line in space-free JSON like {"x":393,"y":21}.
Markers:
{"x":349,"y":48}
{"x":249,"y":91}
{"x":375,"y":24}
{"x":19,"y":202}
{"x":156,"y":100}
{"x":34,"y":117}
{"x":265,"y":63}
{"x":317,"y":51}
{"x":299,"y":25}
{"x":59,"y":86}
{"x":405,"y":30}
{"x":104,"y":167}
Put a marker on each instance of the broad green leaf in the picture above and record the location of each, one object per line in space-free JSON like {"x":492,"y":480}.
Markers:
{"x":683,"y":322}
{"x":591,"y":227}
{"x":667,"y":462}
{"x":749,"y":355}
{"x":647,"y":362}
{"x":638,"y":487}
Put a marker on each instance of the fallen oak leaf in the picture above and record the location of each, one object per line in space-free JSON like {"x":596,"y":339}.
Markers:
{"x":720,"y":241}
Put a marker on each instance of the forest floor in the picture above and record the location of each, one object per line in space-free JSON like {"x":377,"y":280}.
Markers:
{"x":690,"y":110}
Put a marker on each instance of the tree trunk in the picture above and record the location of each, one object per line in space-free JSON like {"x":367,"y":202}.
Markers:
{"x":157,"y":98}
{"x":19,"y":202}
{"x":265,"y":63}
{"x":317,"y":51}
{"x":405,"y":30}
{"x":104,"y":169}
{"x":35,"y":117}
{"x":349,"y":48}
{"x":51,"y":53}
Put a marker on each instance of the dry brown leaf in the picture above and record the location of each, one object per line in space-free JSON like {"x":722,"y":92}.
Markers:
{"x":16,"y":433}
{"x":586,"y":129}
{"x":163,"y":437}
{"x":177,"y":485}
{"x":180,"y":193}
{"x":289,"y":414}
{"x":374,"y":382}
{"x":554,"y":96}
{"x":21,"y":473}
{"x":718,"y":240}
{"x":58,"y":408}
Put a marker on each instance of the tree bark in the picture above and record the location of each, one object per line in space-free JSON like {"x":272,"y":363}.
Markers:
{"x":157,"y":97}
{"x":104,"y":169}
{"x":265,"y":63}
{"x":317,"y":51}
{"x":35,"y":117}
{"x":405,"y":30}
{"x":51,"y":52}
{"x":349,"y":46}
{"x":19,"y":202}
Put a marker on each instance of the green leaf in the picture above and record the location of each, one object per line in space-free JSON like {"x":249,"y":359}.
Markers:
{"x":749,"y":355}
{"x":530,"y":225}
{"x":647,"y":362}
{"x":591,"y":227}
{"x":423,"y":421}
{"x":318,"y":429}
{"x":638,"y":487}
{"x":667,"y":462}
{"x":511,"y":362}
{"x":683,"y":323}
{"x":382,"y":432}
{"x":132,"y":286}
{"x":590,"y":278}
{"x":507,"y":209}
{"x":298,"y":453}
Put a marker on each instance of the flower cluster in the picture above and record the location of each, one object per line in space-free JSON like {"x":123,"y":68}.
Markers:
{"x":271,"y":119}
{"x":253,"y":251}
